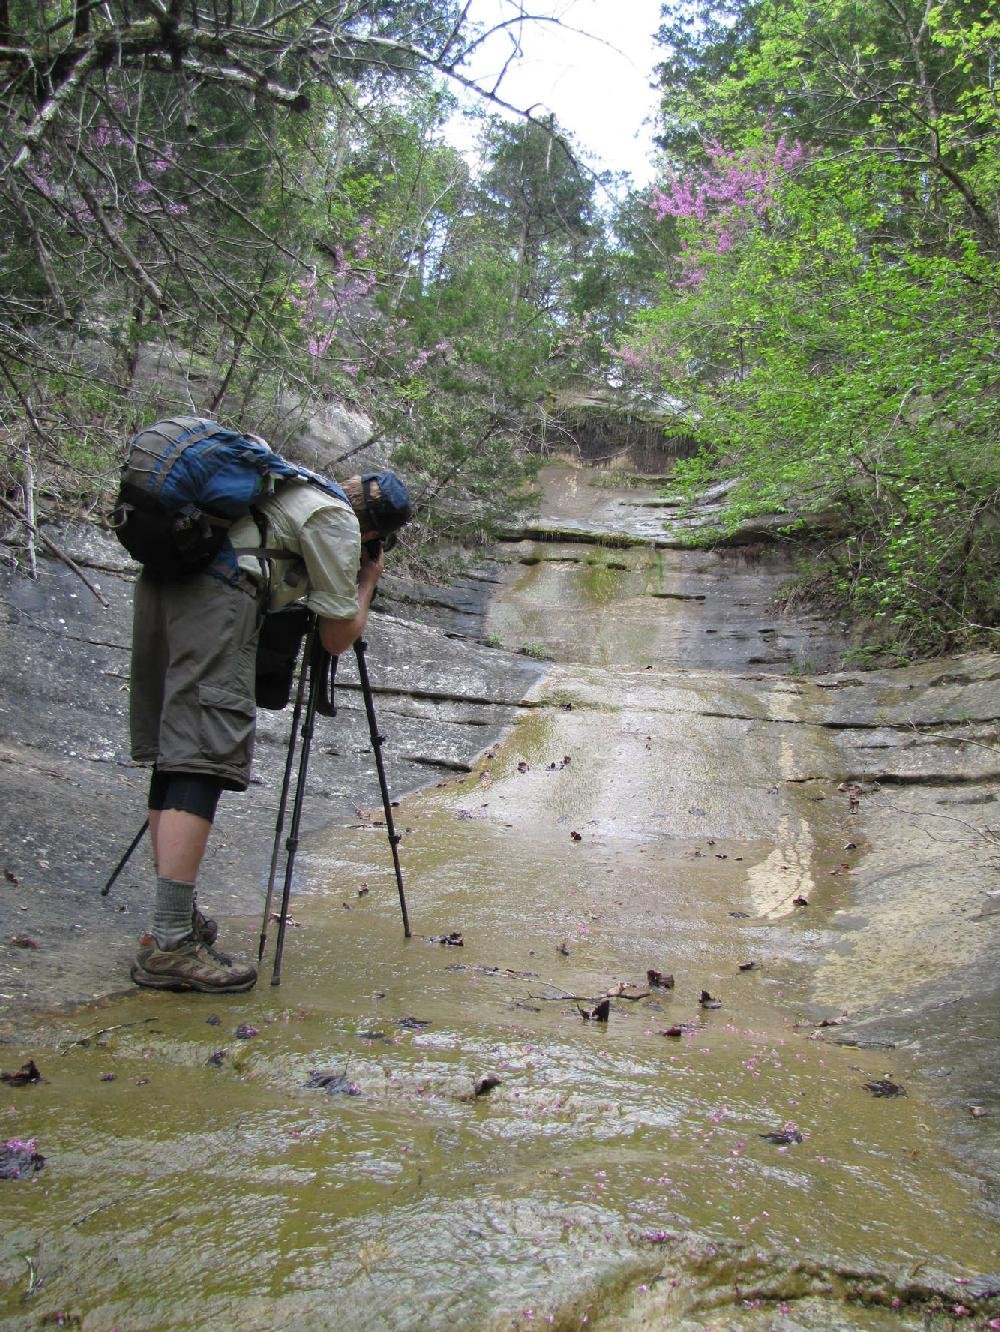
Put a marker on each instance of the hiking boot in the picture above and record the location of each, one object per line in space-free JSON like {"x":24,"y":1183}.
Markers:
{"x":192,"y":965}
{"x":203,"y":928}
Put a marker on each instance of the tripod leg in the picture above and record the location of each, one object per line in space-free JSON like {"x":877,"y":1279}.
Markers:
{"x":283,"y":802}
{"x":125,"y":858}
{"x":315,"y":662}
{"x":360,"y":647}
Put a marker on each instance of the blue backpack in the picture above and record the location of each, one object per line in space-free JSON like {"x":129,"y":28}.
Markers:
{"x":184,"y":483}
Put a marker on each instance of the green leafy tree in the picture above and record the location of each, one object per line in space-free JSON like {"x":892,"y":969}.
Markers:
{"x":621,"y":277}
{"x":260,"y":193}
{"x":831,"y":315}
{"x":536,"y":195}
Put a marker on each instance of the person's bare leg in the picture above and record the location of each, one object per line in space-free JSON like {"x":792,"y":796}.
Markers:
{"x":179,"y":840}
{"x":154,"y":832}
{"x":177,"y":954}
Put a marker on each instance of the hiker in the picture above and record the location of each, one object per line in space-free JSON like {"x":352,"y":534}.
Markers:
{"x":192,"y":709}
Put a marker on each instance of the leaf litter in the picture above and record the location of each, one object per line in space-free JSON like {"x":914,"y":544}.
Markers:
{"x":658,"y":980}
{"x":26,"y":1075}
{"x":333,"y":1083}
{"x":484,"y":1085}
{"x":884,"y":1087}
{"x":19,"y":1160}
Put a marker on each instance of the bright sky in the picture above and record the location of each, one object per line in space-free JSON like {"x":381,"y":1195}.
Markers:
{"x":592,"y":69}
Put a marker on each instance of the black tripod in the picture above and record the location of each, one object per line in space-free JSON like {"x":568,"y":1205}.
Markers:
{"x":315,"y":689}
{"x":315,"y":685}
{"x":125,"y":858}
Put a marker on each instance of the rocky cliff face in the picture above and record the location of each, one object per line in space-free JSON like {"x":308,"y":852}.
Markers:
{"x":168,"y":381}
{"x":625,"y":430}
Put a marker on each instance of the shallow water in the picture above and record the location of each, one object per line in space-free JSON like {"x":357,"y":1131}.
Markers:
{"x":616,"y":1177}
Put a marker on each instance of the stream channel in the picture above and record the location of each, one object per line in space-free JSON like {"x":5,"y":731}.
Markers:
{"x":707,"y":1157}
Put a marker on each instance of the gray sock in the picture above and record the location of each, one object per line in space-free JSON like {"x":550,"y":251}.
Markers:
{"x":172,"y":917}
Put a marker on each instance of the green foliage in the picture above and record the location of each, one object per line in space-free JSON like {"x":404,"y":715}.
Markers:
{"x":66,"y":434}
{"x":841,"y":349}
{"x":533,"y":194}
{"x":271,"y":231}
{"x":293,"y":228}
{"x":620,"y":276}
{"x":537,"y":652}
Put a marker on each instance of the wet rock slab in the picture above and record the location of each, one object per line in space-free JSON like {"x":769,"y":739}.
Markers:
{"x":699,"y":609}
{"x":71,"y":800}
{"x":694,"y":807}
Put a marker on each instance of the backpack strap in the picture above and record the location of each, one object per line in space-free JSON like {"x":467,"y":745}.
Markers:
{"x":260,"y":518}
{"x":265,"y":551}
{"x":302,"y":476}
{"x":264,"y":554}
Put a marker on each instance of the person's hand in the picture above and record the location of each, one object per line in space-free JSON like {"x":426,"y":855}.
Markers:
{"x":371,"y":565}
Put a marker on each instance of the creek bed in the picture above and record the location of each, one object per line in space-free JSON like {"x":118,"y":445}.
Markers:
{"x":708,"y":1156}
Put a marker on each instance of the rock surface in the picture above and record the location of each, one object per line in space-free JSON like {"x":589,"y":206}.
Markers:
{"x":71,"y":800}
{"x":906,"y":759}
{"x":900,"y":942}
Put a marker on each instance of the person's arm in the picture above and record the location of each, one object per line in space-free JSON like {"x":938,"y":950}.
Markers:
{"x":338,"y":635}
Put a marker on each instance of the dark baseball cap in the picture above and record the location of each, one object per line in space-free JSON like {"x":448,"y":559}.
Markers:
{"x":385,"y":501}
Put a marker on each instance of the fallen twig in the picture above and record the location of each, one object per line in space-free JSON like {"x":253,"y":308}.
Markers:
{"x":961,"y":740}
{"x":35,"y":1282}
{"x":562,"y":996}
{"x":989,"y":835}
{"x":101,"y":1207}
{"x":96,"y":1035}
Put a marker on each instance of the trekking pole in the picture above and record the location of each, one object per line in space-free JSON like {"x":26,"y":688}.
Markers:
{"x":283,"y":802}
{"x":360,"y":648}
{"x":125,"y":858}
{"x":313,"y":660}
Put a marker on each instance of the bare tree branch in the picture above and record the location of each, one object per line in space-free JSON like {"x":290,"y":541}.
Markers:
{"x":56,"y":550}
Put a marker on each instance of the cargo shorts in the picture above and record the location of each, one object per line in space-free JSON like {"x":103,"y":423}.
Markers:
{"x":194,"y":645}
